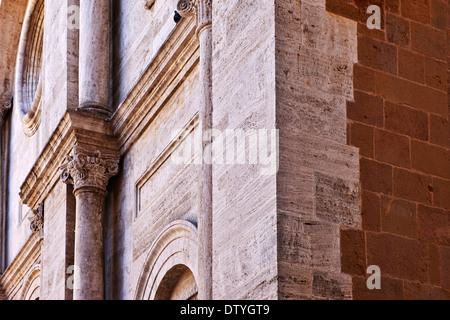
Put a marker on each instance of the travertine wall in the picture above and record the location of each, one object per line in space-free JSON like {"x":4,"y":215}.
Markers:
{"x":296,"y":62}
{"x":24,"y":150}
{"x":317,"y":185}
{"x":244,"y":201}
{"x":399,"y":120}
{"x":137,"y":37}
{"x":362,"y":155}
{"x":57,"y":247}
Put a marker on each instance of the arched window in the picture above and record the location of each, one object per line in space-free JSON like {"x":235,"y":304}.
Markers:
{"x":178,"y":284}
{"x":28,"y":89}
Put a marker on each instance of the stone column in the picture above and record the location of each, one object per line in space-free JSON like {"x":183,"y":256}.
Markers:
{"x":5,"y":107}
{"x":94,"y":55}
{"x":202,"y":9}
{"x":89,"y":172}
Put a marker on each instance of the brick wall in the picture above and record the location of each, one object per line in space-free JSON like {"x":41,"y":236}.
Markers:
{"x":400,"y":121}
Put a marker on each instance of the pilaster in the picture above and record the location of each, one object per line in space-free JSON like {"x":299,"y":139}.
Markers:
{"x":202,"y":11}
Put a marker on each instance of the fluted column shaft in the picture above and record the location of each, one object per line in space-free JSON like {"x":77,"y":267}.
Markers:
{"x":94,"y":55}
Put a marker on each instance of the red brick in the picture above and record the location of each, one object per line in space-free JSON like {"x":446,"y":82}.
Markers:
{"x":376,"y":176}
{"x":411,"y":66}
{"x":430,"y":159}
{"x":361,"y":136}
{"x":441,"y":189}
{"x":391,"y":289}
{"x":364,"y":78}
{"x":438,"y":18}
{"x":434,"y":264}
{"x":439,"y":130}
{"x":366,"y":108}
{"x":421,"y":291}
{"x":418,"y":10}
{"x":353,"y":252}
{"x":445,"y":267}
{"x":412,"y":186}
{"x":371,"y":219}
{"x":434,"y":225}
{"x":399,"y":217}
{"x":429,"y":41}
{"x":378,"y":55}
{"x":353,"y":9}
{"x":398,"y":257}
{"x":392,"y":6}
{"x":406,"y":120}
{"x":362,"y":30}
{"x":392,"y":148}
{"x":405,"y":92}
{"x":345,"y":8}
{"x":397,"y":30}
{"x":436,"y":74}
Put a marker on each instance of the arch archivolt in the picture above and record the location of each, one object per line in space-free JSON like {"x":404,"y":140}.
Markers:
{"x":176,"y":245}
{"x":28,"y":78}
{"x":32,"y":284}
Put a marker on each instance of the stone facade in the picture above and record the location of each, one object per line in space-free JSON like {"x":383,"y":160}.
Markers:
{"x":199,"y":149}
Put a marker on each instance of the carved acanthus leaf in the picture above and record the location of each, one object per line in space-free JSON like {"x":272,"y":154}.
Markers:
{"x":4,"y":109}
{"x":37,"y":220}
{"x":89,"y":169}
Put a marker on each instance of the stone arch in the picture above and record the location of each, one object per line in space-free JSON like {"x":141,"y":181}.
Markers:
{"x":28,"y":78}
{"x":32,"y":284}
{"x":171,"y":264}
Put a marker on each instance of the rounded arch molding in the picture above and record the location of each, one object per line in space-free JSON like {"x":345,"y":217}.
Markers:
{"x":32,"y":284}
{"x":176,"y":245}
{"x":28,"y":77}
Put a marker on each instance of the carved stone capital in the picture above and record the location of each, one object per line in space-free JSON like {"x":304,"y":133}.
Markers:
{"x":86,"y":169}
{"x":4,"y":109}
{"x":202,"y":9}
{"x":37,"y":220}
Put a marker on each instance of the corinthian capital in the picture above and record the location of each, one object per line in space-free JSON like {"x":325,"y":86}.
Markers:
{"x":85,"y":169}
{"x":202,"y":9}
{"x":4,"y":109}
{"x":37,"y":220}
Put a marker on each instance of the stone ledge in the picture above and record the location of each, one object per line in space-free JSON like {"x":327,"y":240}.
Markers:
{"x":176,"y":59}
{"x":93,"y":132}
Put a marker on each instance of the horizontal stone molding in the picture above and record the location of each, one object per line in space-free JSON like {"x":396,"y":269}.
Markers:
{"x":175,"y":60}
{"x":76,"y":127}
{"x":161,"y":159}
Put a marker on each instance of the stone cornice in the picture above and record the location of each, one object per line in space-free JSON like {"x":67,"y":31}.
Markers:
{"x":175,"y":60}
{"x":76,"y":127}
